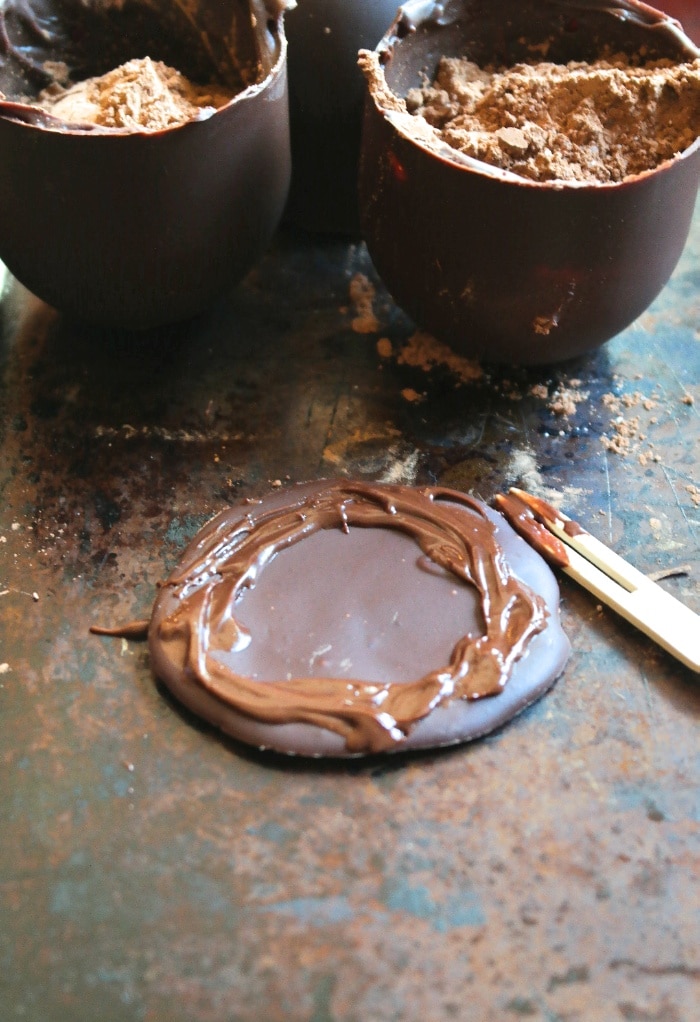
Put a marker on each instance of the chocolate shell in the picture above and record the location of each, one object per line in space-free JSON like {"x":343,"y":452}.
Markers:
{"x":687,"y":12}
{"x":504,"y":268}
{"x":345,"y":618}
{"x":138,"y":228}
{"x":325,"y":98}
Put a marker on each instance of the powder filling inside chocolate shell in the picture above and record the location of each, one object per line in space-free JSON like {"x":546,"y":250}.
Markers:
{"x":345,"y":618}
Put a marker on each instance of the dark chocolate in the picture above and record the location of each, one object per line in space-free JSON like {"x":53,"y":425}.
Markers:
{"x":140,"y":228}
{"x":503,"y":268}
{"x":350,"y":618}
{"x":325,"y":99}
{"x":529,"y":524}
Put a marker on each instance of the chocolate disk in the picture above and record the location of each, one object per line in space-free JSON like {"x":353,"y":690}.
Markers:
{"x":346,"y":618}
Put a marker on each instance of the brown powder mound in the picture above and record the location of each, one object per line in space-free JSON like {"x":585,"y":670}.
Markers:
{"x":140,"y":94}
{"x":598,"y":122}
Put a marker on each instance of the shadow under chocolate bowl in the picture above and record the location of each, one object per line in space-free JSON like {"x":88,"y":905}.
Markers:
{"x":126,"y":221}
{"x":502,"y":264}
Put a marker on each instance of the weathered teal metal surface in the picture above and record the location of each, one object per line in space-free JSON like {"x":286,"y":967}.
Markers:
{"x":151,"y":870}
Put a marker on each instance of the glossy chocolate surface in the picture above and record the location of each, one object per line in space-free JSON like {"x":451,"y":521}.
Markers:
{"x":326,"y":97}
{"x":347,"y":618}
{"x":506,"y":269}
{"x":143,"y":227}
{"x":526,"y":521}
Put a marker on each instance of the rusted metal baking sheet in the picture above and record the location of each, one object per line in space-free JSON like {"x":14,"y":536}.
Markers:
{"x":153,"y":870}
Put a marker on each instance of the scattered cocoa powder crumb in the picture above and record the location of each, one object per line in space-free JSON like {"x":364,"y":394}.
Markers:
{"x":628,"y":433}
{"x":409,"y":394}
{"x":625,"y":433}
{"x":512,"y":392}
{"x":636,"y":398}
{"x":425,"y":352}
{"x":140,"y":94}
{"x":563,"y":399}
{"x":563,"y":403}
{"x":694,"y":492}
{"x":362,"y":294}
{"x":583,"y":122}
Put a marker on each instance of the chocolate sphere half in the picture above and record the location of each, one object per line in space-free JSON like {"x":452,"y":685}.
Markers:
{"x":503,"y":267}
{"x":325,"y":97}
{"x":141,"y":227}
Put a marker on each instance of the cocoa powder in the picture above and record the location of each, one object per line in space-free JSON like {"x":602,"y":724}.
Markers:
{"x":580,"y":122}
{"x":141,"y":94}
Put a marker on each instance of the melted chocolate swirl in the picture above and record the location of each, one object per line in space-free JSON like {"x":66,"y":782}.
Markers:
{"x":450,"y":529}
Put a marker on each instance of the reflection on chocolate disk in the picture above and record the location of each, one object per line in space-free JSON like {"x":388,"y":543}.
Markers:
{"x":348,"y":618}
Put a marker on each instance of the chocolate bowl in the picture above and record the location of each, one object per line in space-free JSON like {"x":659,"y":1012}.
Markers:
{"x":502,"y":267}
{"x":325,"y":98}
{"x":688,"y":13}
{"x":137,"y":228}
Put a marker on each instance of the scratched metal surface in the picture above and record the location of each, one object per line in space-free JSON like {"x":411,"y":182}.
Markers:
{"x":152,"y":870}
